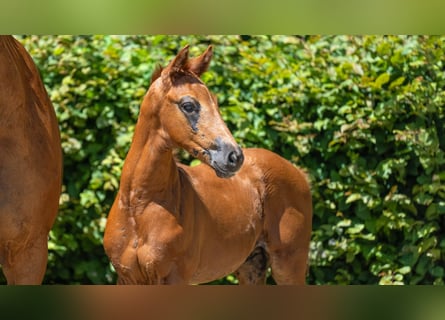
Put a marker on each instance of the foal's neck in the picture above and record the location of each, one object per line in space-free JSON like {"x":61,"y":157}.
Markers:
{"x":150,"y":173}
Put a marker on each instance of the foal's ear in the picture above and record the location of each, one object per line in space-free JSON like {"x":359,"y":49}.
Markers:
{"x":179,"y":62}
{"x":200,"y":64}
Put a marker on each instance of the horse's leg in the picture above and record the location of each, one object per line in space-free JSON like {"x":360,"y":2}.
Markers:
{"x":26,"y":264}
{"x":289,"y":248}
{"x":253,"y":270}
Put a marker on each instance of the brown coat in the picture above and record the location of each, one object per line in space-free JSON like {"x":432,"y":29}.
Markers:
{"x":30,"y":166}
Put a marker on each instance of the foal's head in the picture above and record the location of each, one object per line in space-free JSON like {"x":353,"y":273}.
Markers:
{"x":187,"y":114}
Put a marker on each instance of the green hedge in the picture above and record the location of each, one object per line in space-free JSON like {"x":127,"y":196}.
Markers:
{"x":363,"y":115}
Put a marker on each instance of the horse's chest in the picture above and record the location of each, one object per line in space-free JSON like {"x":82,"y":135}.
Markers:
{"x":204,"y":240}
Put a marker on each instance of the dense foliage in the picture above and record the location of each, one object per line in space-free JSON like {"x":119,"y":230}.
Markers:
{"x":363,"y":115}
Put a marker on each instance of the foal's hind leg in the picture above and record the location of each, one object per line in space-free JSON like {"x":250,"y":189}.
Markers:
{"x":289,"y":268}
{"x":253,"y":270}
{"x":289,"y":247}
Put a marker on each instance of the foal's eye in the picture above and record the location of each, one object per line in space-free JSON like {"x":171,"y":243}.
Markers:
{"x":188,"y":107}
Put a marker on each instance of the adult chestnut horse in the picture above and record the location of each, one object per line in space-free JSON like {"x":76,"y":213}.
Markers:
{"x":30,"y":166}
{"x":173,"y":224}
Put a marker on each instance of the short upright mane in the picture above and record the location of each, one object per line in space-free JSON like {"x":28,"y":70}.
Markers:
{"x":176,"y":76}
{"x":156,"y":74}
{"x":182,"y":69}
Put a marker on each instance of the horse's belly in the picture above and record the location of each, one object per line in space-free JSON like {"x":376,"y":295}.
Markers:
{"x":223,"y":252}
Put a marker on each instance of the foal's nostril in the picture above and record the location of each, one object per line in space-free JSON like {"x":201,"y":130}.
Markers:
{"x":225,"y":158}
{"x":233,"y":158}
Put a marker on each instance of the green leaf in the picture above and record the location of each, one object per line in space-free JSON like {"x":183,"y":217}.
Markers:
{"x":195,"y":162}
{"x":404,"y":270}
{"x":437,"y":272}
{"x":355,"y":229}
{"x":431,"y":212}
{"x":382,"y":79}
{"x":397,"y":82}
{"x":353,"y":197}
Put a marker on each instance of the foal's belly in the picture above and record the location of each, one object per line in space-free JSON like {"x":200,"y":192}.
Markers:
{"x":220,"y":256}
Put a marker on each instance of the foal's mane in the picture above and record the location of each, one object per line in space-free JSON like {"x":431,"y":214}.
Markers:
{"x":157,"y":73}
{"x":176,"y":75}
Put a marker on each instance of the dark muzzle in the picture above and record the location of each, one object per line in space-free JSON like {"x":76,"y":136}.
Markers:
{"x":226,"y":159}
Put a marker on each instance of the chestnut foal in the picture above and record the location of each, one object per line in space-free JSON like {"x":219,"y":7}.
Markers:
{"x":173,"y":224}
